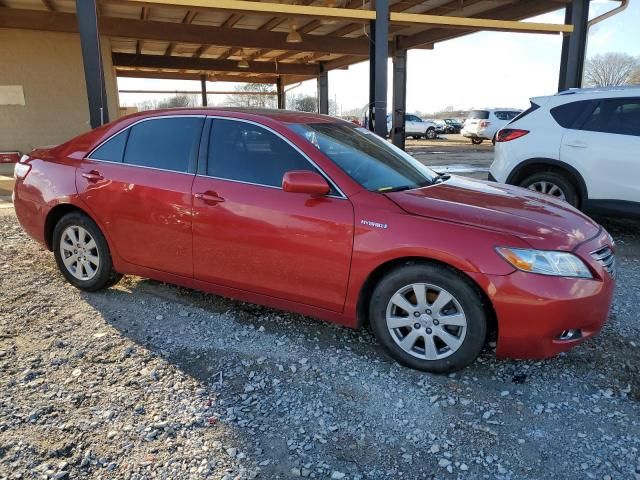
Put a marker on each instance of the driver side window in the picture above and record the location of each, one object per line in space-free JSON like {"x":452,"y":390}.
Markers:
{"x":246,"y":152}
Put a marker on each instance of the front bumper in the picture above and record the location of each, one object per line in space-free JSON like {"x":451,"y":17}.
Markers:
{"x":534,"y":310}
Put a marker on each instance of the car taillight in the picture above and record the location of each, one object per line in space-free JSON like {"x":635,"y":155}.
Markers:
{"x":20,"y":170}
{"x":508,"y":134}
{"x":484,"y":124}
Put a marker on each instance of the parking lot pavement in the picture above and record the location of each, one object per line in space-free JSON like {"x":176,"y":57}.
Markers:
{"x":147,"y":380}
{"x":453,"y":154}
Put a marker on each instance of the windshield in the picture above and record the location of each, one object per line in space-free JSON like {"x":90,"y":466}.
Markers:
{"x":374,"y":163}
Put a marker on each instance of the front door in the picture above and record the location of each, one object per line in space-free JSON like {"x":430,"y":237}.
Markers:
{"x":250,"y":234}
{"x":138,"y":185}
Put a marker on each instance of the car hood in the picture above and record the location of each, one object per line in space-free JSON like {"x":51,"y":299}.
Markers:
{"x":542,"y":221}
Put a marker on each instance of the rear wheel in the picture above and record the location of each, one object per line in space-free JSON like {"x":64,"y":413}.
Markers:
{"x":428,"y":317}
{"x":82,"y":253}
{"x":477,"y":141}
{"x":430,"y":133}
{"x":554,"y":184}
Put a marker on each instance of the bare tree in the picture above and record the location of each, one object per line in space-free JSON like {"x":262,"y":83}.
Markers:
{"x":610,"y":69}
{"x":253,"y":95}
{"x":178,"y":100}
{"x":635,"y":77}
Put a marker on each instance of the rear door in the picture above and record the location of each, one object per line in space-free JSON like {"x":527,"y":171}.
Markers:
{"x":605,"y":149}
{"x":250,"y":234}
{"x":138,"y":185}
{"x":472,"y":124}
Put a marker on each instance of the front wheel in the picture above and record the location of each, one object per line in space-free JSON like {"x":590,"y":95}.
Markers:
{"x":431,"y":133}
{"x":428,"y":317}
{"x":551,"y":183}
{"x":82,"y":253}
{"x":477,"y":141}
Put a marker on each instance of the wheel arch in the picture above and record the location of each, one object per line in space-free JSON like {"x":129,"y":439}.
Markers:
{"x":536,"y":165}
{"x":54,"y":216}
{"x":362,"y":308}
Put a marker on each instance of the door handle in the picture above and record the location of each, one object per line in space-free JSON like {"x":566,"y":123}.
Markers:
{"x":577,"y":144}
{"x":93,"y":176}
{"x":209,"y":197}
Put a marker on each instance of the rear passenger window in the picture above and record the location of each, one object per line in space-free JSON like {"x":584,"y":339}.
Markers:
{"x":164,"y":143}
{"x":248,"y":153}
{"x":113,"y":149}
{"x":566,"y":115}
{"x":620,"y":116}
{"x":506,"y":115}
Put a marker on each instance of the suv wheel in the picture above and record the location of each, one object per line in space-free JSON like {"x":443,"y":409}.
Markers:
{"x":428,"y":317}
{"x":82,"y":253}
{"x":430,"y":133}
{"x":554,"y":184}
{"x":477,"y":141}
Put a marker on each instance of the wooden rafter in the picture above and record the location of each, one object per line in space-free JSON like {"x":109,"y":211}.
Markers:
{"x":144,"y":16}
{"x":188,"y":18}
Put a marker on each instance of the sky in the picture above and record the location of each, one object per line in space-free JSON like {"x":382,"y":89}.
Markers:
{"x":486,"y":69}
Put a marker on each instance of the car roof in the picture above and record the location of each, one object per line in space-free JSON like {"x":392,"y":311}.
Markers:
{"x":621,"y":90}
{"x":284,"y":116}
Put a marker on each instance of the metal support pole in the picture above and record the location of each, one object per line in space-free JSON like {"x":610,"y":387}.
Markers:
{"x":574,"y":45}
{"x":282,"y":104}
{"x":203,"y":87}
{"x":381,"y":47}
{"x":87,"y":17}
{"x":323,"y":91}
{"x":399,"y":96}
{"x":372,"y":74}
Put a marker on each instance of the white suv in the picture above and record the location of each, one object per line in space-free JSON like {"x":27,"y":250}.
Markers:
{"x":483,"y":125}
{"x":416,"y":127}
{"x":580,"y":145}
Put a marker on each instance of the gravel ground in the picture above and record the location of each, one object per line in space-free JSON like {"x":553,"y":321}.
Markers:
{"x":148,"y":380}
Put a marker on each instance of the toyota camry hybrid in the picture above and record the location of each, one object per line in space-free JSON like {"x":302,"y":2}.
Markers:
{"x":315,"y":215}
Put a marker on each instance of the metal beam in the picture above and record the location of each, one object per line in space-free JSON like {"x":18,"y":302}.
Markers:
{"x":92,"y":60}
{"x":574,"y":45}
{"x":282,"y":102}
{"x":208,"y":64}
{"x":323,"y":91}
{"x":181,"y":75}
{"x":381,"y":53}
{"x":182,"y":32}
{"x":203,"y":89}
{"x":247,"y":6}
{"x":398,"y":111}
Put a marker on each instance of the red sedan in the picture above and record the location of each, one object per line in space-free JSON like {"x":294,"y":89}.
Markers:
{"x":315,"y":215}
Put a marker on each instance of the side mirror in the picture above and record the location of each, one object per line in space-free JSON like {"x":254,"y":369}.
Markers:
{"x":300,"y":181}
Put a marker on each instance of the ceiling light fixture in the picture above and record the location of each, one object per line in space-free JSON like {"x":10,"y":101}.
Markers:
{"x":293,"y":36}
{"x":243,"y":63}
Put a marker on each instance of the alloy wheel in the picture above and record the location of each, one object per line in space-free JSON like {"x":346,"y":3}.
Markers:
{"x":79,"y":253}
{"x":548,"y":188}
{"x":426,"y":321}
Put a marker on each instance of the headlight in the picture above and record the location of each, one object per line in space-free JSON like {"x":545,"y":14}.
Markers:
{"x":545,"y":262}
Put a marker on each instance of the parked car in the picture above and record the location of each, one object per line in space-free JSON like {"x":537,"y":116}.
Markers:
{"x":441,"y":126}
{"x":416,"y":127}
{"x":453,"y":125}
{"x":582,"y":146}
{"x":484,"y":124}
{"x":315,"y":215}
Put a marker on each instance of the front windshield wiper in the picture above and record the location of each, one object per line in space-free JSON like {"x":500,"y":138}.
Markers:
{"x":441,"y":177}
{"x":395,"y":189}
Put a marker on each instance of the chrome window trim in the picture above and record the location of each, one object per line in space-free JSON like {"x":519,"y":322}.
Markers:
{"x":294,"y":146}
{"x":147,"y":119}
{"x":192,"y":174}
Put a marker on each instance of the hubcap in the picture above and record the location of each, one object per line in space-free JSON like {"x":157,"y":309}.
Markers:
{"x":79,"y":253}
{"x":548,"y":188}
{"x":426,"y":321}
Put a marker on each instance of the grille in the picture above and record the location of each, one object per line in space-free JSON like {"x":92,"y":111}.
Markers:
{"x":605,"y":257}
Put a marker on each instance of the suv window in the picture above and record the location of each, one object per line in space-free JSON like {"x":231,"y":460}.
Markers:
{"x":566,"y":115}
{"x":248,"y":153}
{"x":169,"y":143}
{"x":479,"y":114}
{"x":506,"y":114}
{"x":621,"y":116}
{"x":113,"y":149}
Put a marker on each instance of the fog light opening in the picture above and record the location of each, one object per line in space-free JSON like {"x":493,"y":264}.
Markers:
{"x":571,"y":334}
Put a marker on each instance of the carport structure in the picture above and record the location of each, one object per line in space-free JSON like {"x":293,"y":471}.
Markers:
{"x":284,"y":42}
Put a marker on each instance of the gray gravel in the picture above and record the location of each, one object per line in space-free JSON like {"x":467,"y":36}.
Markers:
{"x":148,"y":380}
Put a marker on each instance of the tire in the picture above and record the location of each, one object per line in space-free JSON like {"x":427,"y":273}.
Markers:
{"x":431,"y":133}
{"x":464,"y":343}
{"x":477,"y":141}
{"x":88,"y":261}
{"x":554,"y":184}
